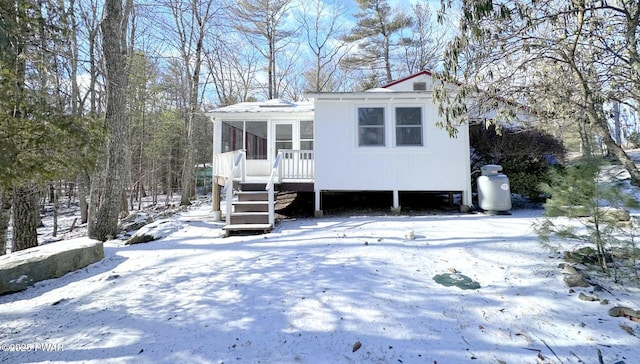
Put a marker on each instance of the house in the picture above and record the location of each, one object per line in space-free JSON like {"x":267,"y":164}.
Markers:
{"x":383,"y":139}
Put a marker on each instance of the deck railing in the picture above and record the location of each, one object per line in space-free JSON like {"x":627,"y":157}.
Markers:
{"x":224,"y":165}
{"x":289,"y":166}
{"x":296,"y":165}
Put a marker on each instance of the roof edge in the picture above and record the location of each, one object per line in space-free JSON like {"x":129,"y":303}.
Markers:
{"x":425,"y":72}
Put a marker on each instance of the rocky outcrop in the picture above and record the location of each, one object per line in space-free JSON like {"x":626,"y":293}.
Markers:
{"x":24,"y":268}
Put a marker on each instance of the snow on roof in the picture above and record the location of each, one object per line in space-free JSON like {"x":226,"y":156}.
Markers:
{"x":274,"y":105}
{"x":379,"y":89}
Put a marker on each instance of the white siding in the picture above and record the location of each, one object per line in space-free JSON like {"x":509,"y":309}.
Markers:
{"x":441,"y":164}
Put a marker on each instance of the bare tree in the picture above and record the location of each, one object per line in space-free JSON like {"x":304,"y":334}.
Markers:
{"x":191,"y":21}
{"x":423,"y":46}
{"x":233,"y":68}
{"x":323,"y":31}
{"x":290,"y":84}
{"x":262,"y":23}
{"x":89,"y":31}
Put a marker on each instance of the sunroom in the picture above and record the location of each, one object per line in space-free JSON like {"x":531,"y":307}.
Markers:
{"x":261,"y":146}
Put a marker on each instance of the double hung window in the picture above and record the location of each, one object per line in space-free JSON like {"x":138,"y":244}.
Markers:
{"x":371,"y":126}
{"x":408,"y":126}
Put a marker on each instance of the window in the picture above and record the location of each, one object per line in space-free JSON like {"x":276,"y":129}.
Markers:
{"x":408,"y":126}
{"x":250,"y":135}
{"x":284,"y":137}
{"x":306,"y":134}
{"x":371,"y":126}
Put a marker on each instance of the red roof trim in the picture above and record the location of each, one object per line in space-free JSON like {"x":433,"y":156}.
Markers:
{"x":426,"y":73}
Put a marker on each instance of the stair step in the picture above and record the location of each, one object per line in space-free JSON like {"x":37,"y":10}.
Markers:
{"x":265,"y":228}
{"x":259,"y":202}
{"x":253,"y":196}
{"x":249,"y":218}
{"x":252,"y":186}
{"x":251,"y":206}
{"x":238,"y":227}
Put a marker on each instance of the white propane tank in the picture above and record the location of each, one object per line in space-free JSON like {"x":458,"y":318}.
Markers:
{"x":494,"y":191}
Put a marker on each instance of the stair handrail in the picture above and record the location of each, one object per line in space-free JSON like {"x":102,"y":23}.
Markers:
{"x":274,"y":171}
{"x":270,"y":188}
{"x":228,"y":186}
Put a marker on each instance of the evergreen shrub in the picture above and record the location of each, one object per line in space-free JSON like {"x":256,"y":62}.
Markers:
{"x":525,"y":154}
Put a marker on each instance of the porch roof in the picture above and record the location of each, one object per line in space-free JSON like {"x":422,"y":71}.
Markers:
{"x":271,"y":106}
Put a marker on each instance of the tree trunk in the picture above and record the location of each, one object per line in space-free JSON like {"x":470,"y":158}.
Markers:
{"x":187,"y":169}
{"x":594,"y":111}
{"x":52,"y":193}
{"x":5,"y":216}
{"x":169,"y":188}
{"x":83,"y":182}
{"x":56,"y":194}
{"x":617,"y":132}
{"x":25,"y":217}
{"x":124,"y":208}
{"x":110,"y":204}
{"x":603,"y":131}
{"x":154,"y":183}
{"x":586,"y":144}
{"x":96,"y":191}
{"x":387,"y":60}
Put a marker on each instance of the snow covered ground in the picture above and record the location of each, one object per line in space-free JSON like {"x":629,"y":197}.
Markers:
{"x":312,"y":289}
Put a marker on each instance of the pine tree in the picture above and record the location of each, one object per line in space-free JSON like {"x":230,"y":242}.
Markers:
{"x":39,"y":138}
{"x":377,"y":24}
{"x":591,"y":194}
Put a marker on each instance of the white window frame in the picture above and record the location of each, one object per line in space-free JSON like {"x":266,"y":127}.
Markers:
{"x":396,"y":126}
{"x":384,"y":127}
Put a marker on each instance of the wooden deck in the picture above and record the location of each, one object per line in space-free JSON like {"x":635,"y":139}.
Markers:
{"x":292,"y":171}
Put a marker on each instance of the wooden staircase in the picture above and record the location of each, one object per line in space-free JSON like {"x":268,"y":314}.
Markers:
{"x":250,"y":212}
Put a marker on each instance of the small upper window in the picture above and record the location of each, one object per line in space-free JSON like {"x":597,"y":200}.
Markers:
{"x":408,"y":126}
{"x":371,"y":126}
{"x":419,"y":86}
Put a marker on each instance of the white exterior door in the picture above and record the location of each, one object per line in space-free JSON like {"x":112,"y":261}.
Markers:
{"x":285,"y":136}
{"x":293,"y":135}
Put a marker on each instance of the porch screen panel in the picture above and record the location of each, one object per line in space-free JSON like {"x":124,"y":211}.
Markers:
{"x":371,"y":126}
{"x":232,"y":132}
{"x":256,"y":139}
